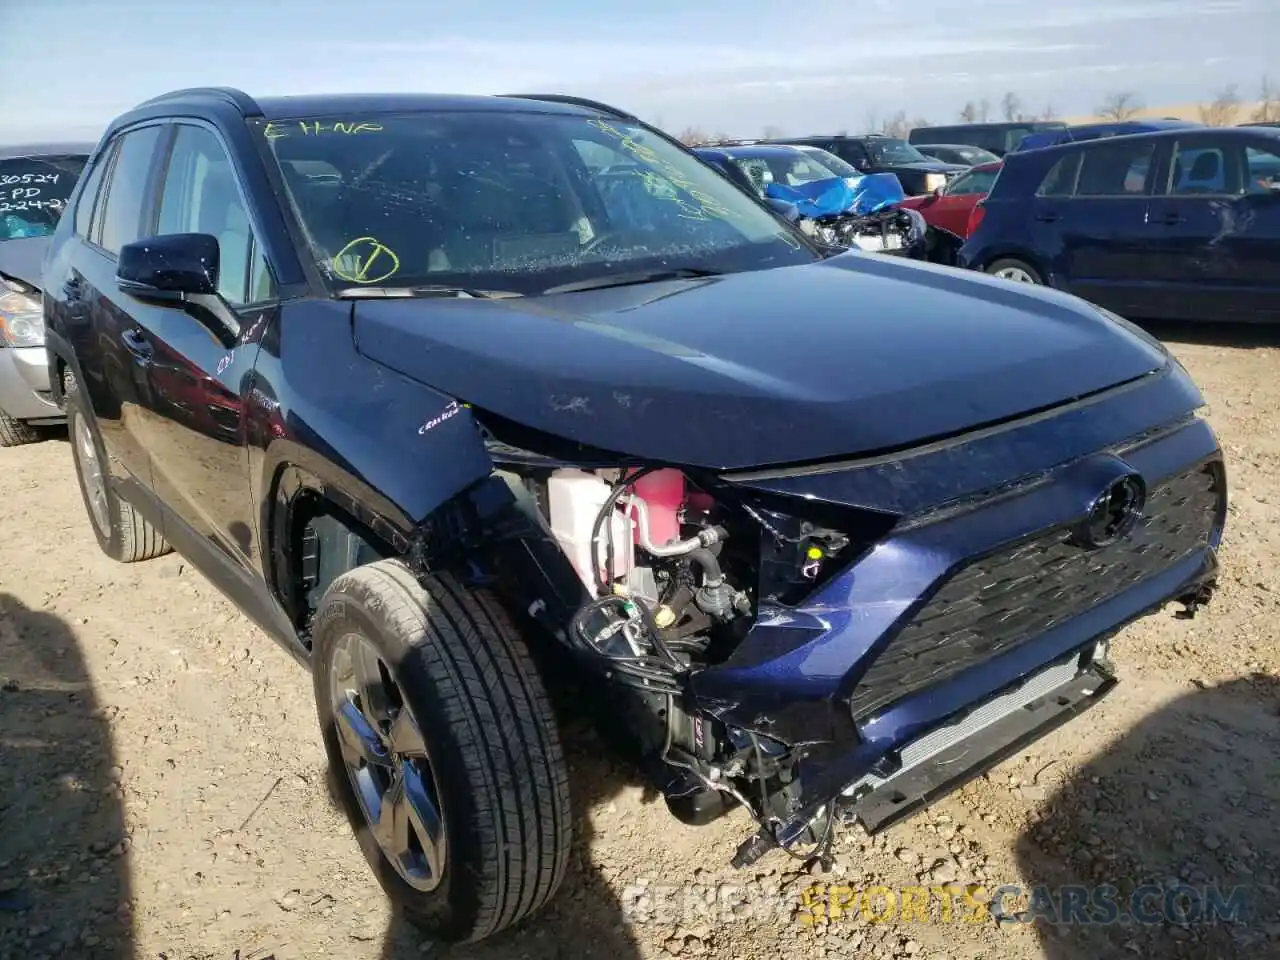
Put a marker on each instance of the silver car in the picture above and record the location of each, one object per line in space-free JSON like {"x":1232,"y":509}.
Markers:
{"x":35,"y":181}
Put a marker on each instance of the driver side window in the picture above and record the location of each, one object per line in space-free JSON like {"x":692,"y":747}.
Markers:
{"x":201,"y":196}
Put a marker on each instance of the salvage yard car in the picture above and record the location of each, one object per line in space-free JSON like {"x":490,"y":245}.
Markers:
{"x":876,"y":153}
{"x":1181,"y":224}
{"x":824,"y":534}
{"x":35,"y":181}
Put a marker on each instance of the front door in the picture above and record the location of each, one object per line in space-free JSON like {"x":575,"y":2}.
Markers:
{"x":202,"y":358}
{"x":103,"y":320}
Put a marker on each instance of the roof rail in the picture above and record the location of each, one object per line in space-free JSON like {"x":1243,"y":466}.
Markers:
{"x":237,"y":98}
{"x":574,"y":101}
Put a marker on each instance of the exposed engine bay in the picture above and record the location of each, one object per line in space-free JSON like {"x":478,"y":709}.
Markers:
{"x":675,"y":578}
{"x":894,"y":230}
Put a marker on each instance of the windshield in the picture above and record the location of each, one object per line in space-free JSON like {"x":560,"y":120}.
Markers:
{"x":838,"y":167}
{"x":33,"y":191}
{"x":517,"y":202}
{"x":889,"y":151}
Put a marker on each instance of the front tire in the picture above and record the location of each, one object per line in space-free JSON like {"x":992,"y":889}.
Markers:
{"x":121,"y":531}
{"x":15,"y":433}
{"x":1018,"y":271}
{"x":444,"y":749}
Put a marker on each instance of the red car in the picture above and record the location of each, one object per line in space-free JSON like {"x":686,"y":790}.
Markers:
{"x":951,"y":207}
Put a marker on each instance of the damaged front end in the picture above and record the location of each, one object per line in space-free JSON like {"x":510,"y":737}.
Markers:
{"x":857,"y":212}
{"x":850,"y":640}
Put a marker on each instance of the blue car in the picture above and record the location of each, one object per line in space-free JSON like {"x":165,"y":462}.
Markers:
{"x":1182,"y":224}
{"x":466,"y":400}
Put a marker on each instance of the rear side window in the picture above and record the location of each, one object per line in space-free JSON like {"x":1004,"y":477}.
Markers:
{"x":89,"y":196}
{"x":1060,"y":181}
{"x":122,"y":212}
{"x":975,"y":181}
{"x":1112,"y":169}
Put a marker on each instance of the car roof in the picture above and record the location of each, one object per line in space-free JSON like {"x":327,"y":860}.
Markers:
{"x":55,"y":148}
{"x":1058,"y":149}
{"x":952,"y":146}
{"x":758,"y":149}
{"x":204,"y":101}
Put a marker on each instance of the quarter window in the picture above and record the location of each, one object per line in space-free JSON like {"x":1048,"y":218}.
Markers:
{"x":89,"y":196}
{"x":1111,"y":169}
{"x":200,"y":196}
{"x":1061,"y":178}
{"x":127,"y":190}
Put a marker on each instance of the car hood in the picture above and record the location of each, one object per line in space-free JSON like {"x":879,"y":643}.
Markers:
{"x":856,"y":354}
{"x":931,"y":166}
{"x":23,"y":258}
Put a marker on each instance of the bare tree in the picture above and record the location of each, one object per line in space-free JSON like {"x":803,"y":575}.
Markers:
{"x":919,"y":122}
{"x":896,"y":126}
{"x":1011,"y":106}
{"x":772,"y":132}
{"x":969,"y":112}
{"x":1121,"y":105}
{"x":1050,"y":112}
{"x":1221,"y":112}
{"x":693,"y":136}
{"x":984,"y":110}
{"x":1268,"y":103}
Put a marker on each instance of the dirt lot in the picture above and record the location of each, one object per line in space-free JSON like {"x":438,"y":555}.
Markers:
{"x":162,"y":788}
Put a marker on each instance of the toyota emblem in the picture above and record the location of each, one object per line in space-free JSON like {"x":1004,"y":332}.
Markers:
{"x":1113,"y":514}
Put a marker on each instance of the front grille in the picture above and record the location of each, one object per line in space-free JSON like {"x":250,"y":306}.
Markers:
{"x":993,"y":604}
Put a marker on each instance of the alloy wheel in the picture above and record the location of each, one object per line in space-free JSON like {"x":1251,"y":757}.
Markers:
{"x":386,"y":760}
{"x":1016,"y":274}
{"x":95,"y":486}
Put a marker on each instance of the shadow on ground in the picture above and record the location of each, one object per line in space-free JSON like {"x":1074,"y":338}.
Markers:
{"x":1240,"y":335}
{"x":1184,"y":810}
{"x":64,"y":864}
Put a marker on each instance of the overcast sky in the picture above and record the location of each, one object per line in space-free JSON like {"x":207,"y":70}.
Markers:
{"x":70,"y":65}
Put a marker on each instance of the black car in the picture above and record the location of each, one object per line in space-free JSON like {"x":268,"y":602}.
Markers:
{"x":874,"y":153}
{"x":957,"y":153}
{"x":470,"y":400}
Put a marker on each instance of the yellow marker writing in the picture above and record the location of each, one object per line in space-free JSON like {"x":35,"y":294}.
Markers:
{"x":356,"y":262}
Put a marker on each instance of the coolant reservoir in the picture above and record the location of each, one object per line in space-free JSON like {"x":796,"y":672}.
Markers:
{"x":574,"y":499}
{"x":663,"y":493}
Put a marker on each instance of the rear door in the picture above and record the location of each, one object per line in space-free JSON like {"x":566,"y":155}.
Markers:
{"x":1258,"y":239}
{"x":101,"y":320}
{"x":1102,"y":235}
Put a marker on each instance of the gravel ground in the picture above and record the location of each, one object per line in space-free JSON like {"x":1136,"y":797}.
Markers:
{"x":162,"y":790}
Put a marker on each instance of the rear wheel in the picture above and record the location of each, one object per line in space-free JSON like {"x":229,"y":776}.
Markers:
{"x":14,"y":433}
{"x":444,"y":749}
{"x":1015,"y":270}
{"x":122,"y":532}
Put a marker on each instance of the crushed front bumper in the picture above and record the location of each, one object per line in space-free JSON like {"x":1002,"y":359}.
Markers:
{"x":24,"y":386}
{"x":947,"y":757}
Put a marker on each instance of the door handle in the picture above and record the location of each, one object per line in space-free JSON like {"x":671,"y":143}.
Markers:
{"x":1048,"y":217}
{"x":137,"y":345}
{"x":1172,"y":219}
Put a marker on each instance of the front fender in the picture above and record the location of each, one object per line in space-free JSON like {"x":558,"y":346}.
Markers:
{"x":390,"y":447}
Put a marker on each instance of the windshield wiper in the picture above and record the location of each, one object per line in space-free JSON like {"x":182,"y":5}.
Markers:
{"x":625,"y":279}
{"x":428,"y":290}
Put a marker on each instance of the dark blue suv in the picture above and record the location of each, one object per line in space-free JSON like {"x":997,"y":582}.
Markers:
{"x":465,"y":400}
{"x":1181,"y":224}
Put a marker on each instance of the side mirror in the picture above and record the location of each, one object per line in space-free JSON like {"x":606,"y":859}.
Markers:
{"x":170,"y":267}
{"x":784,"y":208}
